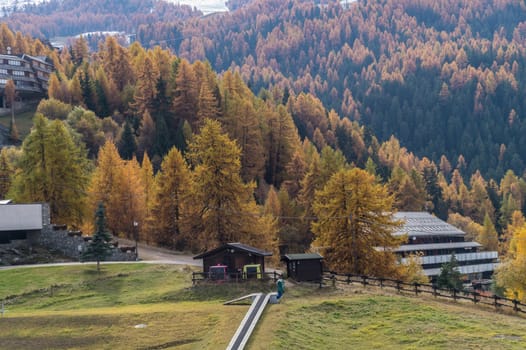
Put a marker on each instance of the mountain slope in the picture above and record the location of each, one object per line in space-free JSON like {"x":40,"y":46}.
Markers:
{"x":445,"y":78}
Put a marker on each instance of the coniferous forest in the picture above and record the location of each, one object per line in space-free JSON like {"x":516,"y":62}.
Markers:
{"x":243,"y":126}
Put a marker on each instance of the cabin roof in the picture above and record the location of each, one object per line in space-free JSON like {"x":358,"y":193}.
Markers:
{"x":306,"y":256}
{"x":235,"y":246}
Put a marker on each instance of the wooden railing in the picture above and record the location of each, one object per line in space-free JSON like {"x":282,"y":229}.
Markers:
{"x":499,"y":303}
{"x":235,"y":277}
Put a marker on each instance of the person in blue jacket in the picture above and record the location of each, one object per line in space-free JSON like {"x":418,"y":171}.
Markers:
{"x":280,"y":283}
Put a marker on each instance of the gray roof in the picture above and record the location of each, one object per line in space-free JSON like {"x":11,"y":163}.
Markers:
{"x":421,"y":224}
{"x":18,"y":217}
{"x":235,"y":246}
{"x":306,"y":256}
{"x":36,"y":58}
{"x":11,"y":57}
{"x":434,"y":246}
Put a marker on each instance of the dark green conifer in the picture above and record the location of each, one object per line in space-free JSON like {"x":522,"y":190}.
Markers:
{"x":99,"y":248}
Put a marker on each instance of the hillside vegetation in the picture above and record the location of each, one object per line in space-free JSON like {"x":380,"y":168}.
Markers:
{"x":198,"y":160}
{"x":74,"y":307}
{"x":445,"y":78}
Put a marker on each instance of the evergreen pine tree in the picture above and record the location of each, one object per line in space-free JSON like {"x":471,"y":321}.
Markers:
{"x":103,"y":109}
{"x":99,"y":248}
{"x":449,"y":277}
{"x":127,"y":143}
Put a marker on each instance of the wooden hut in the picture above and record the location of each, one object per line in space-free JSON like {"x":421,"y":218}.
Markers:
{"x":304,"y":267}
{"x":234,"y":256}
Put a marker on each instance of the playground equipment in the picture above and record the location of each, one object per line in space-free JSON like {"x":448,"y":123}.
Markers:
{"x":252,"y":271}
{"x":218,"y":273}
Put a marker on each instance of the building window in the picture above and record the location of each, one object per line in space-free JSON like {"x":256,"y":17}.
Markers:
{"x":14,"y":63}
{"x":3,"y":71}
{"x":18,"y":73}
{"x":3,"y":81}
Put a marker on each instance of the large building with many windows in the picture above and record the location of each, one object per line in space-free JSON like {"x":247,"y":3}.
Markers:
{"x":437,"y":240}
{"x":29,"y":73}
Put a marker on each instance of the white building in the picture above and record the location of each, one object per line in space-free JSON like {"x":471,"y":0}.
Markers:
{"x":22,"y":222}
{"x":437,"y":241}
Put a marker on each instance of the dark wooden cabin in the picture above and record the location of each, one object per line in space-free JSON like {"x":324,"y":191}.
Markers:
{"x":234,"y":256}
{"x":304,"y":267}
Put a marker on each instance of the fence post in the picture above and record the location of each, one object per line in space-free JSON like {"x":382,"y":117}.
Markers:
{"x":515,"y":308}
{"x":475,"y":300}
{"x":434,"y":290}
{"x":398,"y":286}
{"x":381,"y":282}
{"x":364,"y":280}
{"x":348,"y":278}
{"x":333,"y":278}
{"x":496,"y":298}
{"x":416,"y":288}
{"x":454,"y":294}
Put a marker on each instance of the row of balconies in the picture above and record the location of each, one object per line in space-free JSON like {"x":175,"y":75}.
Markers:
{"x":441,"y":259}
{"x":467,"y":269}
{"x":47,"y":70}
{"x":24,"y":86}
{"x":17,"y":78}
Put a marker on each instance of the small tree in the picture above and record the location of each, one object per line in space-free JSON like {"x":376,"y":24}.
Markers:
{"x":99,"y":248}
{"x":127,"y":144}
{"x":10,"y":95}
{"x":449,"y":277}
{"x":412,"y":271}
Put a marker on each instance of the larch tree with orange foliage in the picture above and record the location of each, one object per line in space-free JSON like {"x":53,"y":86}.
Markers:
{"x":354,"y":224}
{"x":108,"y":186}
{"x":511,"y":273}
{"x":53,"y":169}
{"x":171,"y":204}
{"x":227,"y":211}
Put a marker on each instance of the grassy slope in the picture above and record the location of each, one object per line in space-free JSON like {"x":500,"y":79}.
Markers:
{"x":366,"y":320}
{"x":75,"y":307}
{"x":86,"y":310}
{"x":23,"y":120}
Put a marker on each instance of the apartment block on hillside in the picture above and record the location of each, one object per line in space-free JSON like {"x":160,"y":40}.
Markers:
{"x":29,"y":73}
{"x":437,"y":241}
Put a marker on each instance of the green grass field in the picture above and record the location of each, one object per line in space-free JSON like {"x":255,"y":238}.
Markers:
{"x":23,"y":120}
{"x":143,"y":306}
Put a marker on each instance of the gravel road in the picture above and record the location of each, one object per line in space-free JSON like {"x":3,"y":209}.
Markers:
{"x":154,"y":254}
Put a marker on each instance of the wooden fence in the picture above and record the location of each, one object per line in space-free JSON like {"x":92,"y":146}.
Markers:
{"x":233,"y":277}
{"x":499,"y":303}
